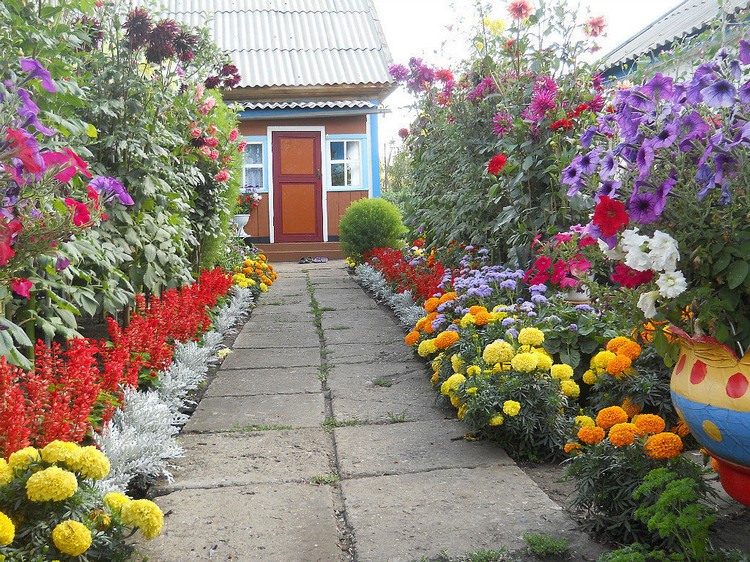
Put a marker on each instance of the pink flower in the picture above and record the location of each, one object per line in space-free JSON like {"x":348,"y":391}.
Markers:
{"x":195,"y":132}
{"x":579,"y":265}
{"x":199,"y":90}
{"x":214,"y":155}
{"x":222,"y":175}
{"x":519,"y":9}
{"x":403,"y":132}
{"x":66,"y":173}
{"x":594,"y":26}
{"x":8,"y":233}
{"x":81,"y":213}
{"x":233,"y":134}
{"x":205,"y":107}
{"x":205,"y":150}
{"x":212,"y":141}
{"x":241,"y":146}
{"x":22,"y":286}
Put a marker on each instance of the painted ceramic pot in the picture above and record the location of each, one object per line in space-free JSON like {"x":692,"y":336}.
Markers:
{"x":711,"y":392}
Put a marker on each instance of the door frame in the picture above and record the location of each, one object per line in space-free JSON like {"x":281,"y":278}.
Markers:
{"x":325,"y":180}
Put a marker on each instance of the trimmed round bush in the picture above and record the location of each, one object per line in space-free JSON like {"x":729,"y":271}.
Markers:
{"x":368,"y":224}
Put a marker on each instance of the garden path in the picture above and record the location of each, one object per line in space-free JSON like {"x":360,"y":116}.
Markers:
{"x":320,"y":439}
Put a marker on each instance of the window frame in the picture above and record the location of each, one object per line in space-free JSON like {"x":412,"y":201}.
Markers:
{"x":263,"y":166}
{"x":363,"y":162}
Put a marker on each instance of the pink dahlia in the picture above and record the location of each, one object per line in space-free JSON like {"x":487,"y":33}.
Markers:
{"x":519,"y":9}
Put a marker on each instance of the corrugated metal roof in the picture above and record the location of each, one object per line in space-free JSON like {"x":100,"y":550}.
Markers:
{"x":294,"y":42}
{"x":687,"y":19}
{"x":324,"y":104}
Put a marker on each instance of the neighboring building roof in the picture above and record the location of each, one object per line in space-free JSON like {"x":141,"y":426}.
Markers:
{"x":688,"y":19}
{"x":294,"y":43}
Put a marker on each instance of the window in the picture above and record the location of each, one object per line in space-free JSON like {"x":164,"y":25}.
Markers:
{"x":346,"y":163}
{"x":254,"y":167}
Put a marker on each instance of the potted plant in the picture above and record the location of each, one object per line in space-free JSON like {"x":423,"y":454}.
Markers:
{"x":248,"y":200}
{"x":669,"y":165}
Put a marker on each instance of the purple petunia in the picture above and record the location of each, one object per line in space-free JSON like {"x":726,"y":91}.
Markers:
{"x":36,"y":70}
{"x":29,"y":111}
{"x":642,"y":208}
{"x":744,"y":93}
{"x":109,"y":188}
{"x":399,"y":72}
{"x":719,"y":94}
{"x":658,"y":88}
{"x":745,"y":51}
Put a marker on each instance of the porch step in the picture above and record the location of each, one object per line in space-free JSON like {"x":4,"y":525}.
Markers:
{"x":293,"y":251}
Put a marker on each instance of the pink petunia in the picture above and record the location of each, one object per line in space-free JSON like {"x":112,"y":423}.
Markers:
{"x":22,"y":286}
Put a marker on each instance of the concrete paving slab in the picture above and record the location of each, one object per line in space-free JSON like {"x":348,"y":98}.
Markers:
{"x":363,"y":333}
{"x":272,"y":324}
{"x":264,"y":522}
{"x":406,"y":517}
{"x":355,"y":320}
{"x":230,"y":413}
{"x":254,"y":457}
{"x":365,"y":373}
{"x":367,"y":353}
{"x":286,"y":339}
{"x":270,"y":358}
{"x":274,"y":313}
{"x":252,"y":382}
{"x":339,"y":303}
{"x":389,"y":411}
{"x":402,"y":448}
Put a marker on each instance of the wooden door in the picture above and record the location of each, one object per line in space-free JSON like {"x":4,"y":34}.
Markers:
{"x":297,"y":187}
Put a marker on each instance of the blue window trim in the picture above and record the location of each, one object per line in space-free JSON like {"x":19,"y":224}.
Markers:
{"x":366,"y":171}
{"x":266,"y":173}
{"x":374,"y":154}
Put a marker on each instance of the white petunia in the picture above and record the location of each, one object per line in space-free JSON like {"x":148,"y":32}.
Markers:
{"x":664,"y":252}
{"x":615,"y":253}
{"x":647,"y":303}
{"x":635,"y":245}
{"x":671,"y":284}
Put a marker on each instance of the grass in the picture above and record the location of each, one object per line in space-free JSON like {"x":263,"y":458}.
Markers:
{"x":396,"y":418}
{"x":324,"y":370}
{"x":340,"y":328}
{"x":250,"y":428}
{"x":501,"y":555}
{"x":383,"y":381}
{"x":325,"y":479}
{"x":330,"y":423}
{"x":544,"y":545}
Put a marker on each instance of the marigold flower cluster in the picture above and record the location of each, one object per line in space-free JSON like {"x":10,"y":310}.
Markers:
{"x":616,"y":360}
{"x":255,"y":272}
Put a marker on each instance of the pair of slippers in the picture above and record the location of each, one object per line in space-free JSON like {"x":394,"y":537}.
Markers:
{"x":313,"y":260}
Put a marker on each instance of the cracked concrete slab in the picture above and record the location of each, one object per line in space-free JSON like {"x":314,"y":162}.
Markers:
{"x":279,"y":339}
{"x":267,"y":359}
{"x":252,"y":382}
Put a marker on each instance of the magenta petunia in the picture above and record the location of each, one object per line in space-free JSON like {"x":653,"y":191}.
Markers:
{"x":36,"y":70}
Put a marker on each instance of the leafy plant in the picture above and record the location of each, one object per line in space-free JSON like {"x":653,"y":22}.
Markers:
{"x":367,"y":224}
{"x":544,"y":545}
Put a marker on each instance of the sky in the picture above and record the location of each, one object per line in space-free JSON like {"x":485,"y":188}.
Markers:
{"x":436,"y":31}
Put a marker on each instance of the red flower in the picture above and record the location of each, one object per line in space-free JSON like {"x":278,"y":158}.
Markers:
{"x":629,"y":277}
{"x":586,"y":241}
{"x":22,"y":287}
{"x":81,"y":213}
{"x":403,"y":132}
{"x":444,"y":75}
{"x":24,"y":147}
{"x":519,"y":9}
{"x":542,"y":263}
{"x":565,"y":124}
{"x":496,"y":164}
{"x":610,"y":216}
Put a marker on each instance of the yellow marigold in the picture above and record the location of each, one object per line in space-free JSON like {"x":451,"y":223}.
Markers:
{"x":71,"y":537}
{"x":618,"y":364}
{"x":570,"y":388}
{"x":476,"y":309}
{"x":467,"y":320}
{"x":474,"y":371}
{"x":584,"y":421}
{"x":462,"y":411}
{"x":524,"y":362}
{"x":115,"y":500}
{"x":7,"y":529}
{"x":681,"y":429}
{"x":455,"y":400}
{"x":511,"y":408}
{"x":448,"y":297}
{"x":482,"y":318}
{"x":437,"y":363}
{"x":631,"y":350}
{"x":100,"y":519}
{"x":497,"y":316}
{"x":22,"y":459}
{"x":427,"y":347}
{"x":457,"y":363}
{"x":561,"y":371}
{"x":446,"y":339}
{"x":90,"y":463}
{"x":607,"y":417}
{"x":51,"y":484}
{"x":616,"y":343}
{"x":630,"y":407}
{"x":664,"y":445}
{"x":498,"y":351}
{"x":263,"y":287}
{"x":544,"y":361}
{"x":589,"y":377}
{"x":472,"y":390}
{"x":6,"y":473}
{"x":600,"y":360}
{"x":145,"y":515}
{"x":622,"y":434}
{"x":452,"y":384}
{"x":496,"y":420}
{"x":531,"y":336}
{"x":590,"y":434}
{"x":650,"y":423}
{"x":411,"y":338}
{"x":430,"y":305}
{"x":420,"y":324}
{"x":60,"y":452}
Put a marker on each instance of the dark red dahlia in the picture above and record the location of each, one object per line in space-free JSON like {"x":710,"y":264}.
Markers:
{"x":232,"y":82}
{"x":184,"y":45}
{"x":138,"y":26}
{"x":212,"y":82}
{"x":229,"y":70}
{"x":161,"y":42}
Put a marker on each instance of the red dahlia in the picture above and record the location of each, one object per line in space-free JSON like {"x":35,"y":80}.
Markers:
{"x":496,"y":164}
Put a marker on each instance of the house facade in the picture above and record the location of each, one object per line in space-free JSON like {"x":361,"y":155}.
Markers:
{"x":314,"y":73}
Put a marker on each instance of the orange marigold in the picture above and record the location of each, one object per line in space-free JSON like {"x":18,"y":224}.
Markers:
{"x":681,"y":429}
{"x":608,"y":417}
{"x":590,"y":434}
{"x":420,"y":324}
{"x":650,"y":423}
{"x":630,"y":407}
{"x":663,"y":446}
{"x":448,"y":297}
{"x":631,"y":350}
{"x":431,"y":316}
{"x":615,"y":344}
{"x":411,"y":338}
{"x":482,"y":318}
{"x":430,"y":305}
{"x":476,"y":309}
{"x":570,"y":447}
{"x":623,"y":434}
{"x":618,"y":365}
{"x":446,"y":339}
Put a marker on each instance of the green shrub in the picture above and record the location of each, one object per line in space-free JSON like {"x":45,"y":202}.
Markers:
{"x":368,"y":224}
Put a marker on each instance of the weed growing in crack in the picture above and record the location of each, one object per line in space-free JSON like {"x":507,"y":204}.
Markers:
{"x":544,"y":545}
{"x":253,"y":428}
{"x":330,"y":423}
{"x":396,"y":418}
{"x":325,"y":479}
{"x":383,"y":381}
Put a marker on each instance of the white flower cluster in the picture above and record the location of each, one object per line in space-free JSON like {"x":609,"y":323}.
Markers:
{"x":140,"y":438}
{"x":402,"y":304}
{"x":658,"y":253}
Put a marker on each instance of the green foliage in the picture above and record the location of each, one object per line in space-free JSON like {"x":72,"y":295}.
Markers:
{"x":544,"y":545}
{"x":368,"y":224}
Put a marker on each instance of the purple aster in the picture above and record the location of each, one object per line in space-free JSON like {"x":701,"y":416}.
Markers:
{"x":658,"y":88}
{"x":583,"y":308}
{"x":538,"y":289}
{"x":744,"y":93}
{"x":36,"y":70}
{"x":399,"y":72}
{"x":641,"y":208}
{"x":745,"y":51}
{"x":719,"y":94}
{"x":609,"y":188}
{"x":538,"y":299}
{"x":512,"y":332}
{"x":109,"y":188}
{"x":666,"y":136}
{"x":573,"y":327}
